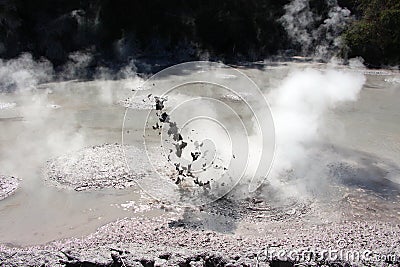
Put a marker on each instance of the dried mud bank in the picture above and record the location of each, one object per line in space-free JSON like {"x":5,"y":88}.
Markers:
{"x":97,"y":167}
{"x":178,"y":239}
{"x":8,"y":185}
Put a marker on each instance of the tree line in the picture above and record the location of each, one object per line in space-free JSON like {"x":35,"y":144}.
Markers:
{"x":116,"y":31}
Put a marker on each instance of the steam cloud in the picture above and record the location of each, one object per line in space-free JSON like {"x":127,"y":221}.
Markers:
{"x":37,"y":136}
{"x":320,"y":42}
{"x":303,"y":98}
{"x":27,"y":97}
{"x":299,"y":105}
{"x":23,"y":73}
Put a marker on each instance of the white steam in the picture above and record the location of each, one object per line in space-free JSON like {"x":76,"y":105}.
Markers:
{"x":29,"y":133}
{"x":77,"y":65}
{"x":38,"y":119}
{"x":23,"y":73}
{"x":299,"y":105}
{"x":319,"y":41}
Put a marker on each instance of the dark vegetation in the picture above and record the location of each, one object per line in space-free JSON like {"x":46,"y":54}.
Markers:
{"x":375,"y":35}
{"x":116,"y":31}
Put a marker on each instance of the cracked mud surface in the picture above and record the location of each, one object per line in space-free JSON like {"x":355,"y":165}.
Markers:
{"x":97,"y":167}
{"x":8,"y":185}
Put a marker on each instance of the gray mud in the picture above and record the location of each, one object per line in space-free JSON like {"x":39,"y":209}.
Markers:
{"x":94,"y":167}
{"x":355,"y":198}
{"x":228,"y":232}
{"x":8,"y":185}
{"x":172,"y":241}
{"x":97,"y":167}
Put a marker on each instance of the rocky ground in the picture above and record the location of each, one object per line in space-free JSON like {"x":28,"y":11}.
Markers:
{"x":8,"y":185}
{"x":229,"y":232}
{"x":225,"y":233}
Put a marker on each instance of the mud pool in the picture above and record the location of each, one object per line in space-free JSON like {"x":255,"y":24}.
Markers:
{"x":360,"y":150}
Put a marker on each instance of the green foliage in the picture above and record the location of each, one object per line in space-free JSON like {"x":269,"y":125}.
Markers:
{"x":376,"y":35}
